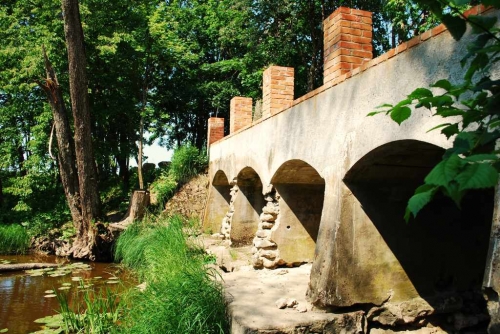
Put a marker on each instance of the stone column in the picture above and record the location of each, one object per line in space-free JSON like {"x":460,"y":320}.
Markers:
{"x":240,"y":113}
{"x":347,"y":41}
{"x":277,"y":90}
{"x":215,"y":130}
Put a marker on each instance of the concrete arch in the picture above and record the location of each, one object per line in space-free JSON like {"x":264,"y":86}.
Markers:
{"x":441,"y":252}
{"x":301,"y":192}
{"x":247,"y":207}
{"x":217,"y":202}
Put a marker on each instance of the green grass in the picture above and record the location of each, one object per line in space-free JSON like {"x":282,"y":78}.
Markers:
{"x":182,"y":294}
{"x":95,"y":312}
{"x":13,"y":239}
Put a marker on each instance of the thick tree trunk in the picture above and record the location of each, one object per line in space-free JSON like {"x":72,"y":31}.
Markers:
{"x":66,"y":153}
{"x":84,"y":244}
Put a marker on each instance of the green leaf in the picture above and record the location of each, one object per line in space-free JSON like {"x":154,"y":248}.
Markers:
{"x":420,"y":93}
{"x":455,"y":25}
{"x":464,"y":141}
{"x":480,"y":23}
{"x":460,"y":2}
{"x":450,"y":130}
{"x":447,"y":112}
{"x":453,"y":191}
{"x":438,"y":126}
{"x":494,"y":3}
{"x":443,"y":83}
{"x":445,"y":171}
{"x":477,"y":176}
{"x":385,"y":105}
{"x":421,"y":198}
{"x":481,"y":157}
{"x":400,"y":114}
{"x":374,"y":113}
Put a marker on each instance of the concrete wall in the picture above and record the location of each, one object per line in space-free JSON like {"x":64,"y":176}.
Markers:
{"x":364,"y":253}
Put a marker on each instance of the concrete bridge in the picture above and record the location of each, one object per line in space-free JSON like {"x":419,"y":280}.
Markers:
{"x":316,"y":180}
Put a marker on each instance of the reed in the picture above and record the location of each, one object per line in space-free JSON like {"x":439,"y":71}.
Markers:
{"x":13,"y":239}
{"x":183,"y":295}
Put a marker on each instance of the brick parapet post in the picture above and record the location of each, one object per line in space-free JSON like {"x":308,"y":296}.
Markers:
{"x":215,"y":130}
{"x":240,"y":113}
{"x":347,"y":41}
{"x":277,"y":90}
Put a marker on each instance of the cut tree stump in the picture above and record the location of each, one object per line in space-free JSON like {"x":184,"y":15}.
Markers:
{"x":26,"y":266}
{"x":139,"y":201}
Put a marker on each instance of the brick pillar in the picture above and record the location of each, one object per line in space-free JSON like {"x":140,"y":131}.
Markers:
{"x":240,"y":113}
{"x":347,"y":41}
{"x":215,"y":130}
{"x":277,"y":89}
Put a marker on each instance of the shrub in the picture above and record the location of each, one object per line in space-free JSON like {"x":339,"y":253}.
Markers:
{"x":187,"y":161}
{"x":13,"y":239}
{"x":164,"y":187}
{"x":182,"y":295}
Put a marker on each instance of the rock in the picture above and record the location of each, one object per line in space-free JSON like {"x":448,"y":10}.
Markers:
{"x":267,"y":217}
{"x":269,"y":254}
{"x":263,"y":233}
{"x":263,"y":243}
{"x":281,"y":303}
{"x":270,"y":264}
{"x":266,"y":225}
{"x":461,"y":321}
{"x":282,"y":272}
{"x":301,"y":308}
{"x":271,"y":209}
{"x":291,"y":302}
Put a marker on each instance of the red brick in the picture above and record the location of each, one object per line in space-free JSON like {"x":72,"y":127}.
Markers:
{"x":401,"y":47}
{"x":426,"y":35}
{"x":350,"y":31}
{"x":414,"y":41}
{"x":439,"y":29}
{"x":361,"y":12}
{"x":361,"y":40}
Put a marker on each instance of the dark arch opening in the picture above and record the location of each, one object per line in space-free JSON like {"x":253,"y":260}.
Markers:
{"x":443,"y":251}
{"x":247,"y":207}
{"x":218,"y":203}
{"x":301,"y":190}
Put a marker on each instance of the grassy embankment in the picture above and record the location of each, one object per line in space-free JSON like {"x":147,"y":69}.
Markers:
{"x":183,"y":294}
{"x":13,"y":239}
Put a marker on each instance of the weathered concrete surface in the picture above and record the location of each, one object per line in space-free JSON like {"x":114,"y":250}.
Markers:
{"x":252,"y":297}
{"x":362,"y":257}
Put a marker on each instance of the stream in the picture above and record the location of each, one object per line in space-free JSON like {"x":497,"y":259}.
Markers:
{"x":24,"y":297}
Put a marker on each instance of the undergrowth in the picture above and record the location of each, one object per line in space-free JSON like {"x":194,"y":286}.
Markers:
{"x":95,"y":312}
{"x":183,"y":295}
{"x":13,"y":239}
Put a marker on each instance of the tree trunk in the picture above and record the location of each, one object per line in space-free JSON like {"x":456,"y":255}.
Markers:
{"x":66,"y":153}
{"x":1,"y":193}
{"x":84,"y":244}
{"x":139,"y":201}
{"x":26,"y":266}
{"x":139,"y":158}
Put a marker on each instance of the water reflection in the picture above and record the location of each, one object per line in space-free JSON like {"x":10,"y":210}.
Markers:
{"x":22,"y":297}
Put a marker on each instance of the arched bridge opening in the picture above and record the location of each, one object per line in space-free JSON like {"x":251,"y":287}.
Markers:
{"x":247,"y":208}
{"x":439,"y":254}
{"x":218,"y":201}
{"x":301,"y":193}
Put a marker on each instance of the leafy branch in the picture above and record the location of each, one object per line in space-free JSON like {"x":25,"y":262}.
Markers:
{"x":471,"y":108}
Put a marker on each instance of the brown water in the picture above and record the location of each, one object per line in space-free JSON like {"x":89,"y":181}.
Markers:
{"x":22,"y":298}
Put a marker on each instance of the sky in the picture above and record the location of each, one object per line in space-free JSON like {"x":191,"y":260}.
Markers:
{"x":155,"y":154}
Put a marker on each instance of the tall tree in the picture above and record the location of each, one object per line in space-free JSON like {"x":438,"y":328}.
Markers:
{"x":83,"y":246}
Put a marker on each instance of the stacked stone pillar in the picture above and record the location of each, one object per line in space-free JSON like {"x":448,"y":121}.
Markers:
{"x":215,"y":130}
{"x":347,"y":41}
{"x":277,"y":90}
{"x":240,"y":113}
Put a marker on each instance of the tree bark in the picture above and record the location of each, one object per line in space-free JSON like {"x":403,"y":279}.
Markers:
{"x":66,"y":153}
{"x":139,"y":201}
{"x":84,"y":244}
{"x":26,"y":266}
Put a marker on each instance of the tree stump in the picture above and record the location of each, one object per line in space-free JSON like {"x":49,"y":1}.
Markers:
{"x":139,"y":201}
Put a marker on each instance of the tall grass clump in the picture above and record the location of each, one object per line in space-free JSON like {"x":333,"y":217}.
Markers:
{"x":187,"y":161}
{"x":13,"y":239}
{"x":95,"y":312}
{"x":182,"y":294}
